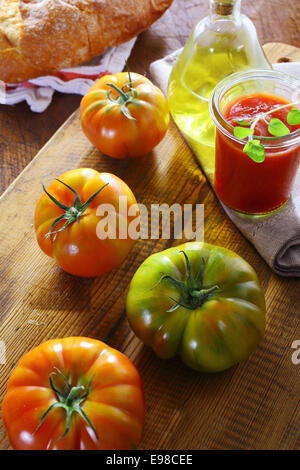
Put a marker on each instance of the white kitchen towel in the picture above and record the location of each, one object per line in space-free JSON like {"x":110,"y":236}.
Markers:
{"x":277,"y":236}
{"x":38,"y":92}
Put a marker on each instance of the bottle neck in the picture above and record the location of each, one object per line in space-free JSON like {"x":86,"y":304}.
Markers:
{"x":225,"y":10}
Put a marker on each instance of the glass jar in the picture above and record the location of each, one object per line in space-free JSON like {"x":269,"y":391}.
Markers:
{"x":241,"y":183}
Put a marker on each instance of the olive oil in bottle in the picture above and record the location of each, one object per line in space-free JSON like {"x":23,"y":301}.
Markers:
{"x":222,"y":43}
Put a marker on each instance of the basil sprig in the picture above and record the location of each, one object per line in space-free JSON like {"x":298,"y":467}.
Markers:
{"x":245,"y":129}
{"x":293,"y":118}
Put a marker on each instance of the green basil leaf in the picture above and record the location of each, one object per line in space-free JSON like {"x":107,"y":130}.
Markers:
{"x":293,"y":118}
{"x":242,"y":132}
{"x":243,"y":123}
{"x":255,"y":150}
{"x":278,"y":128}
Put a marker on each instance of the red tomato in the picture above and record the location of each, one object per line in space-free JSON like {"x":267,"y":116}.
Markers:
{"x":124,"y":115}
{"x":78,"y":249}
{"x":95,"y":394}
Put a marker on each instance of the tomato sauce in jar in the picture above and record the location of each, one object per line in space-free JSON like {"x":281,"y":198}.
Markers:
{"x":243,"y":184}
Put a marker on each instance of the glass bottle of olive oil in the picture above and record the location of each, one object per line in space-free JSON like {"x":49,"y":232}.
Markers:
{"x":222,"y":43}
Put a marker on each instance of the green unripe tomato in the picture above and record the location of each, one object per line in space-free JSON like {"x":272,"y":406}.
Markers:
{"x":199,"y":301}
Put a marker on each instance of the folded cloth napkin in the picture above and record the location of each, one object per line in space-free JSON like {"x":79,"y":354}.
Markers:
{"x":277,"y":236}
{"x":38,"y":92}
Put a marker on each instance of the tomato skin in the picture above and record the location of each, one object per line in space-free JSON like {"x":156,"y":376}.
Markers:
{"x":111,"y":131}
{"x":77,"y":249}
{"x":221,"y":332}
{"x":115,"y":405}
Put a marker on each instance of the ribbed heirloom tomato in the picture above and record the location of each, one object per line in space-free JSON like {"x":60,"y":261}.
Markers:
{"x":74,"y":394}
{"x":124,"y":115}
{"x":199,"y":301}
{"x":66,"y":222}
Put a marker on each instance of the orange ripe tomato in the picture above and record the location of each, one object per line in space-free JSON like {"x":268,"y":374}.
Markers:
{"x":124,"y":115}
{"x":74,"y":394}
{"x":66,"y":222}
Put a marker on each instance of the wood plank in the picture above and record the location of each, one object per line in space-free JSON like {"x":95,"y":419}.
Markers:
{"x":281,"y":52}
{"x":253,"y":405}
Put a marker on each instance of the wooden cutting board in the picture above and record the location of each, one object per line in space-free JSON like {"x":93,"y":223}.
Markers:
{"x":253,"y":405}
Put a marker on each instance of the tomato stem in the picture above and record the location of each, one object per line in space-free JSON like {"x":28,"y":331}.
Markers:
{"x":122,"y":94}
{"x":193,"y":295}
{"x":124,"y":97}
{"x":71,"y":213}
{"x":70,"y":400}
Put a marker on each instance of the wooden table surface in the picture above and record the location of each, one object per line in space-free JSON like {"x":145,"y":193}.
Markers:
{"x":265,"y":412}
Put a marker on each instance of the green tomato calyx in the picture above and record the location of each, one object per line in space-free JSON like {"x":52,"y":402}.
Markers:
{"x":124,"y":97}
{"x":71,"y":213}
{"x":193,"y":295}
{"x":70,"y":400}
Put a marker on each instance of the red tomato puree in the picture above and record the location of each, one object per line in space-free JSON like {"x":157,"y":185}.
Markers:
{"x":243,"y":184}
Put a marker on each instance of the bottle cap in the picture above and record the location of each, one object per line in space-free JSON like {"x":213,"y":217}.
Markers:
{"x":224,"y":8}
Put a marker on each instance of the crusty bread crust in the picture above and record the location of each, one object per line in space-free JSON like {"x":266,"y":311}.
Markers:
{"x":38,"y":37}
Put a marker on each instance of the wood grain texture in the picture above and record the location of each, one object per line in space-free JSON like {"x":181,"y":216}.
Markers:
{"x":254,"y":405}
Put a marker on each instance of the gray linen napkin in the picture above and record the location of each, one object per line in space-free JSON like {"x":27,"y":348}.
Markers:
{"x":276,"y":237}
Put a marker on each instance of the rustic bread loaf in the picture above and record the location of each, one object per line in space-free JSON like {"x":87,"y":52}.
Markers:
{"x":38,"y":37}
